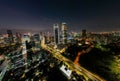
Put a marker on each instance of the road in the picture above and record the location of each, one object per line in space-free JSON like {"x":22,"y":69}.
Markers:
{"x":79,"y":69}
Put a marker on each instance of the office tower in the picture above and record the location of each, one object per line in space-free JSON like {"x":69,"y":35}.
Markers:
{"x":10,"y":36}
{"x":84,"y":33}
{"x":64,"y":33}
{"x":56,"y":33}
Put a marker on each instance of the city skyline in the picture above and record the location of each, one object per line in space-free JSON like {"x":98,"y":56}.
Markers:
{"x":40,"y":15}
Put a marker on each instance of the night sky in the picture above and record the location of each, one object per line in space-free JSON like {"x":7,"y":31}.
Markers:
{"x":40,"y":15}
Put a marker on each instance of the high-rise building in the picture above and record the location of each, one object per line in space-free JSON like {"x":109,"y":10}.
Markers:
{"x":64,"y":33}
{"x":10,"y":36}
{"x":56,"y":33}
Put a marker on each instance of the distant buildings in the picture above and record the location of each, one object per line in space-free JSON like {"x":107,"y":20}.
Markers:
{"x":60,"y":35}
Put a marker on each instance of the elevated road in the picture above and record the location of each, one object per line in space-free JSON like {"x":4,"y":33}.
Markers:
{"x":77,"y":68}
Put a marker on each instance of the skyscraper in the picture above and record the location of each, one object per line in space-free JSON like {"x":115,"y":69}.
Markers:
{"x":56,"y":33}
{"x":10,"y":36}
{"x":64,"y":33}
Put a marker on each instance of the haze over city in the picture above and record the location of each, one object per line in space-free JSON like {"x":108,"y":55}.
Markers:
{"x":40,"y":15}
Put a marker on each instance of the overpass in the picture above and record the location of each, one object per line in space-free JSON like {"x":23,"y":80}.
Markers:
{"x":76,"y":68}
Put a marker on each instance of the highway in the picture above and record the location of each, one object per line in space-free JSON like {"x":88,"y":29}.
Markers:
{"x":77,"y":68}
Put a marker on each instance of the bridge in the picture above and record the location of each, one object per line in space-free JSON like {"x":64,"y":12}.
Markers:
{"x":76,"y":68}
